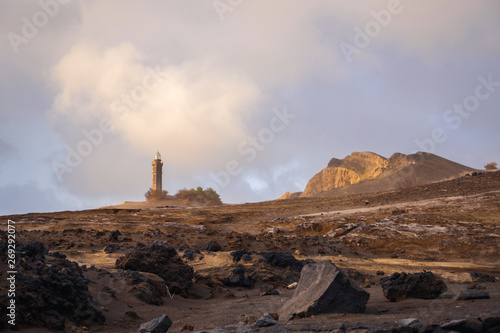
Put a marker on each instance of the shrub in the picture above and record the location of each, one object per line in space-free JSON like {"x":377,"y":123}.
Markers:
{"x":155,"y":195}
{"x":491,"y":166}
{"x":200,"y":196}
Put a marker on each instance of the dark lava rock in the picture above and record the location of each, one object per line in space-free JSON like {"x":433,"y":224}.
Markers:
{"x":246,"y":257}
{"x":163,"y":260}
{"x":425,"y":285}
{"x":268,"y":290}
{"x":142,"y":287}
{"x":407,"y":321}
{"x":111,"y":248}
{"x":114,"y":235}
{"x":189,"y":254}
{"x":277,"y":268}
{"x":282,"y":259}
{"x":33,"y":251}
{"x":213,"y":246}
{"x":324,"y":288}
{"x":238,"y":254}
{"x":475,"y":286}
{"x":132,"y":314}
{"x":265,"y":321}
{"x":50,"y":290}
{"x":471,"y":294}
{"x":57,"y":255}
{"x":479,"y":277}
{"x":463,"y":325}
{"x":157,"y":325}
{"x":239,"y":278}
{"x":491,"y":323}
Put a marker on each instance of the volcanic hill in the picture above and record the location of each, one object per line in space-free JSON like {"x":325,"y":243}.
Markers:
{"x":367,"y":172}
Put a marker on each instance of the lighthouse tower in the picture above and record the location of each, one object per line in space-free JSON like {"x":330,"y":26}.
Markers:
{"x":157,"y":171}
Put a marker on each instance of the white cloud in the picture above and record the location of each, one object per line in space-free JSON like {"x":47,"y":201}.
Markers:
{"x":222,"y":78}
{"x":190,"y":112}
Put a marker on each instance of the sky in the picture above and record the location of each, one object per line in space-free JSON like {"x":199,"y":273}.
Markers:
{"x":251,"y":98}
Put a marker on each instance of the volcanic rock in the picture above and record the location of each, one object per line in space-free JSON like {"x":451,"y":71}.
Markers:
{"x":157,"y":325}
{"x":491,"y":323}
{"x":407,"y":321}
{"x":425,"y":285}
{"x":479,"y":277}
{"x":163,"y":260}
{"x":265,"y":321}
{"x":471,"y":294}
{"x":57,"y":255}
{"x":213,"y":246}
{"x":282,"y":259}
{"x":51,"y":290}
{"x":114,"y":235}
{"x":324,"y":288}
{"x":157,"y":282}
{"x":239,"y":278}
{"x":110,"y":248}
{"x":33,"y":251}
{"x":268,"y":290}
{"x":189,"y":254}
{"x":142,"y":287}
{"x":240,"y":254}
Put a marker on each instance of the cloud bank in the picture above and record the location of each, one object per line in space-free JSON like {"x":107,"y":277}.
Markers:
{"x":196,"y":83}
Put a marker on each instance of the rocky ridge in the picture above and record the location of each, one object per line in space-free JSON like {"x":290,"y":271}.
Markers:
{"x":365,"y":172}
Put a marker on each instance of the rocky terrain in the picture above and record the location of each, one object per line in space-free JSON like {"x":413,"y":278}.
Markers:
{"x":365,"y":172}
{"x":416,"y":259}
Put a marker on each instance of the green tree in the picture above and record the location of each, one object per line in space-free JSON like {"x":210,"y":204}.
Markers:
{"x":491,"y":166}
{"x":155,"y":195}
{"x":200,"y":196}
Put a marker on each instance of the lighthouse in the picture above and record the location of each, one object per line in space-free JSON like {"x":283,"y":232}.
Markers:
{"x":157,"y":171}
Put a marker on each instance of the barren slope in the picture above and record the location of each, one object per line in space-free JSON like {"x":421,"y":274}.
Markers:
{"x":451,"y":228}
{"x":368,"y":172}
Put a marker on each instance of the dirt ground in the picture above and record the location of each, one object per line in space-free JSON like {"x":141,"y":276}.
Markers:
{"x":451,"y":228}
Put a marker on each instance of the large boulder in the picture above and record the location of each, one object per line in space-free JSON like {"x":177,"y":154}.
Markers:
{"x":163,"y":260}
{"x":424,"y":285}
{"x":49,"y":291}
{"x":271,"y":267}
{"x":265,"y":321}
{"x":157,"y":325}
{"x":282,"y":259}
{"x":324,"y":288}
{"x":142,"y":287}
{"x":468,"y":295}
